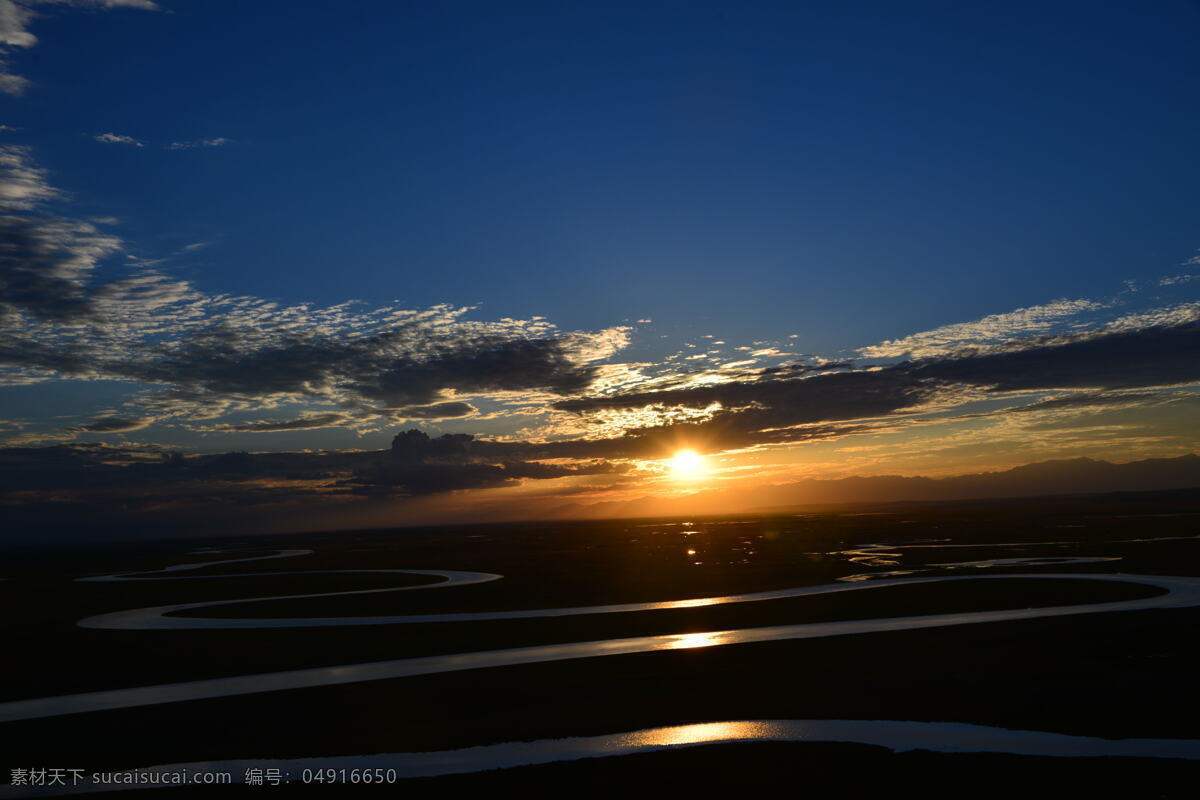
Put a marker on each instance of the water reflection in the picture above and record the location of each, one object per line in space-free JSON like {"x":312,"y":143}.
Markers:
{"x":685,"y":641}
{"x":1180,"y":592}
{"x":896,"y":735}
{"x":699,"y":733}
{"x":697,"y":602}
{"x":1032,"y":561}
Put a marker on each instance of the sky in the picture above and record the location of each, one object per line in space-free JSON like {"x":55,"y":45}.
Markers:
{"x":804,"y":240}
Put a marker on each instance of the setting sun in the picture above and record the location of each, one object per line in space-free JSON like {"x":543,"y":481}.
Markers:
{"x":687,"y":464}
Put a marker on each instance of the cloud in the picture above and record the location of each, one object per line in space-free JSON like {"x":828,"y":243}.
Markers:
{"x":1095,"y":400}
{"x":116,"y":138}
{"x":776,"y":407}
{"x":304,"y":423}
{"x":45,"y":261}
{"x":113,"y":425}
{"x":399,"y":365}
{"x":476,"y":365}
{"x":219,"y":141}
{"x":199,"y":357}
{"x":145,"y":5}
{"x":23,"y":185}
{"x":206,"y":356}
{"x":96,"y":479}
{"x":15,"y":17}
{"x":450,"y":410}
{"x":1123,"y":356}
{"x":419,"y":464}
{"x":202,"y":355}
{"x":1107,"y":368}
{"x":1165,"y":316}
{"x":992,"y":329}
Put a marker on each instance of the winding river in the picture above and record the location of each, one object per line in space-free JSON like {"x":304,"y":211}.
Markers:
{"x":1176,"y":592}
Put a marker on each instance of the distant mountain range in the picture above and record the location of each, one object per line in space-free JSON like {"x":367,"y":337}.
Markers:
{"x":1065,"y":476}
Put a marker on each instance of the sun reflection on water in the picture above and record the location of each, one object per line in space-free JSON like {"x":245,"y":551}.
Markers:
{"x":698,"y":602}
{"x":699,"y":734}
{"x":686,"y":641}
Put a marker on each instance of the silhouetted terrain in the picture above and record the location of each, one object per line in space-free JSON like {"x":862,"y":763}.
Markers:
{"x":1062,"y":477}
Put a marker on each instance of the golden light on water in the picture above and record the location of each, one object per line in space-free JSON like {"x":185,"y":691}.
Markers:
{"x":700,"y":733}
{"x":687,"y":641}
{"x":687,"y":465}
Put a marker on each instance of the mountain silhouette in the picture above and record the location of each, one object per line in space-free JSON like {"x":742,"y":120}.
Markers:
{"x":1057,"y":477}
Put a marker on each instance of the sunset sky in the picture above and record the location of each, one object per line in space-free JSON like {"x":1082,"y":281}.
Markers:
{"x":800,"y":240}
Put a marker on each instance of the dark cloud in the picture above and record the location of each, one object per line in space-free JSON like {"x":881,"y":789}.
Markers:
{"x":200,"y":356}
{"x":437,"y":411}
{"x":417,"y":447}
{"x":137,"y":477}
{"x":791,"y":370}
{"x":384,"y":478}
{"x":540,"y":471}
{"x":41,"y":358}
{"x":841,"y":395}
{"x":1089,"y":400}
{"x":75,"y":466}
{"x":305,"y":423}
{"x":1121,"y":360}
{"x":766,"y":411}
{"x":105,"y":467}
{"x":1155,"y":356}
{"x":775,"y":409}
{"x":402,"y":371}
{"x":487,"y":364}
{"x":436,"y":477}
{"x":113,"y":425}
{"x":209,"y":354}
{"x":420,"y":464}
{"x":723,"y":432}
{"x":43,"y":263}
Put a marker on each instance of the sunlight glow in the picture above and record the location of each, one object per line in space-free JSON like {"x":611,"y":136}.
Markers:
{"x":699,"y":733}
{"x":687,"y":641}
{"x":687,"y":464}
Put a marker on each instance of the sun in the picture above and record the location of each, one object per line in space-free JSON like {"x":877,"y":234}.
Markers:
{"x":687,"y":464}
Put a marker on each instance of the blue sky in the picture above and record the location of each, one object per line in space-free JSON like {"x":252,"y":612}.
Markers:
{"x":845,"y":171}
{"x":597,"y":200}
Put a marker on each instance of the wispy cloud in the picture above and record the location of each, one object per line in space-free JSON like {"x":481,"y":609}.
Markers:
{"x":205,"y":362}
{"x":219,"y":141}
{"x":116,"y":138}
{"x":23,"y":185}
{"x":1154,"y":348}
{"x":201,"y":355}
{"x":15,"y":19}
{"x":304,"y":423}
{"x":145,"y":5}
{"x":14,"y":24}
{"x":988,"y":330}
{"x":112,"y":425}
